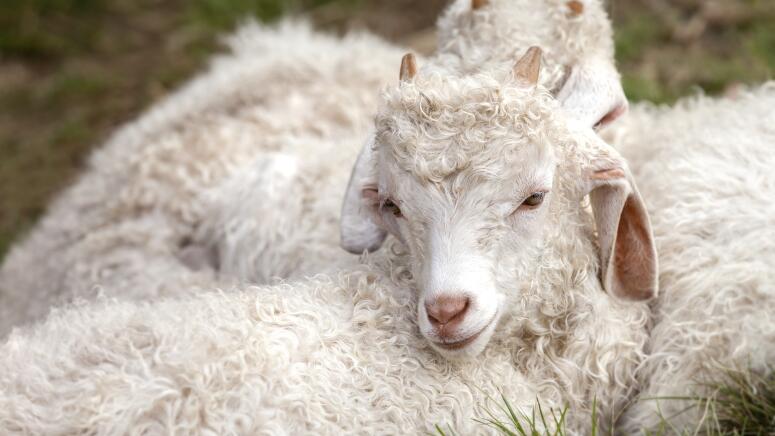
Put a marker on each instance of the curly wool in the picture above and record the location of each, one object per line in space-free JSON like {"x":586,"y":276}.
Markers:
{"x":214,"y":178}
{"x":124,"y":227}
{"x":321,"y":356}
{"x":325,"y":355}
{"x":441,"y":124}
{"x":499,"y":32}
{"x":705,"y":168}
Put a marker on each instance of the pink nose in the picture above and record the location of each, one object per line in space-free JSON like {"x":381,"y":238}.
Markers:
{"x":447,"y":312}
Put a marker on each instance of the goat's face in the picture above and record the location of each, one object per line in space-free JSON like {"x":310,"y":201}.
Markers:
{"x":473,"y":224}
{"x":469,"y":174}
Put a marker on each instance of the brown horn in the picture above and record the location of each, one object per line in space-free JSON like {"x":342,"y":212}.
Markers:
{"x":576,"y":7}
{"x":408,"y":67}
{"x":476,"y":4}
{"x":528,"y":66}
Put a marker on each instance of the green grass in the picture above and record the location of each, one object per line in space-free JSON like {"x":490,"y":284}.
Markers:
{"x":507,"y":421}
{"x":741,"y":403}
{"x":662,"y":59}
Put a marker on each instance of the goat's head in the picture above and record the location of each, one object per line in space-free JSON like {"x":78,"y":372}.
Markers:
{"x":475,"y":176}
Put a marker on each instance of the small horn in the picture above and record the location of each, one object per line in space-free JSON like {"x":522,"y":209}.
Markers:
{"x":408,"y":67}
{"x":528,"y":66}
{"x":576,"y":7}
{"x":476,"y":4}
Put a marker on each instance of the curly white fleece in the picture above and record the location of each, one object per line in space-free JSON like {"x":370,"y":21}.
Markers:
{"x":227,"y":143}
{"x":500,"y":31}
{"x":125,"y":227}
{"x":341,"y":353}
{"x":705,"y":168}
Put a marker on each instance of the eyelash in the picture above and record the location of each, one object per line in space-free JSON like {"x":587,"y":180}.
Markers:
{"x":532,"y":202}
{"x":535,"y":199}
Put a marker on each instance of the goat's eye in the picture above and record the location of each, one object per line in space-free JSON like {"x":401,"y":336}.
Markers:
{"x":534,"y":200}
{"x":390,"y":207}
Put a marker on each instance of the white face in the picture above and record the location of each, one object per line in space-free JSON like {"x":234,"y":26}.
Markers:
{"x":463,"y":171}
{"x":473,"y":239}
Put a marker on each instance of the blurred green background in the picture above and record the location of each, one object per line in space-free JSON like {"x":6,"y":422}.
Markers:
{"x":71,"y":71}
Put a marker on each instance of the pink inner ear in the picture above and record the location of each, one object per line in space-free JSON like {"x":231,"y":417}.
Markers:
{"x":611,"y":116}
{"x":635,"y":267}
{"x":610,"y":174}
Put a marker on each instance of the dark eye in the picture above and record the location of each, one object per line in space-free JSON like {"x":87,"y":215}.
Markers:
{"x":534,"y":200}
{"x":390,"y":207}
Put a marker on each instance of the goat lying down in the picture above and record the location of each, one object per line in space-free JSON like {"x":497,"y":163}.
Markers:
{"x":340,"y":353}
{"x":175,"y":189}
{"x":513,"y":278}
{"x":705,"y":168}
{"x":504,"y":107}
{"x":576,"y":37}
{"x":125,"y":229}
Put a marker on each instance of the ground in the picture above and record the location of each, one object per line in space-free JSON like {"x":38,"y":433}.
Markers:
{"x":71,"y":71}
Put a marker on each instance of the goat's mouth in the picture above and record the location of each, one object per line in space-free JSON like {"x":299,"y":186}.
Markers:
{"x":457,"y":345}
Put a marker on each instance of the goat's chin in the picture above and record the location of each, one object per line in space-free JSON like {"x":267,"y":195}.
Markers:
{"x":471,"y":349}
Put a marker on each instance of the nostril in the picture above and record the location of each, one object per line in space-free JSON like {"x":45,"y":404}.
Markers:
{"x":446,"y":309}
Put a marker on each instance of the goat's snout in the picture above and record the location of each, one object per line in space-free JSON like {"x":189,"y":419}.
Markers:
{"x":446,"y":313}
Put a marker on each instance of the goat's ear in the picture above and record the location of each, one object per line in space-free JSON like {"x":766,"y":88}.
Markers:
{"x":592,"y":94}
{"x":359,"y":230}
{"x":628,"y":256}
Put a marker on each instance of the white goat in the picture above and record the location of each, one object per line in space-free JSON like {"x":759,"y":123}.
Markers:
{"x":188,"y":172}
{"x":526,"y":269}
{"x":125,"y":228}
{"x":481,"y":176}
{"x":340,"y":354}
{"x":576,"y":38}
{"x":705,"y":167}
{"x":497,"y":112}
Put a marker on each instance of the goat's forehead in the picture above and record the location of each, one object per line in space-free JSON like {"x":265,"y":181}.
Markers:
{"x":487,"y":152}
{"x":497,"y":169}
{"x":444,"y":102}
{"x":444,"y":126}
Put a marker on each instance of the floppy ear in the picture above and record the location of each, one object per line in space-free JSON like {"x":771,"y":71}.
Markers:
{"x":628,"y":256}
{"x":593,"y":94}
{"x":359,"y":230}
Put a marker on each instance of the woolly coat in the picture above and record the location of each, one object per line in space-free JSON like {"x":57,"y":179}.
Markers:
{"x":184,"y":363}
{"x":568,"y":32}
{"x":338,"y":353}
{"x":704,"y":167}
{"x":126,"y":227}
{"x":163,"y":195}
{"x":169,"y":194}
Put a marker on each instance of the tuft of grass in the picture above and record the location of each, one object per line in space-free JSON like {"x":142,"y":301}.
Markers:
{"x":742,"y":403}
{"x":510,"y":422}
